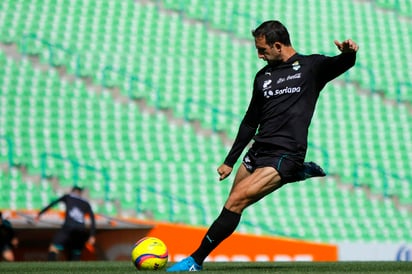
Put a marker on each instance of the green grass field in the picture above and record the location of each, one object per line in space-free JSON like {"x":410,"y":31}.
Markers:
{"x":238,"y":268}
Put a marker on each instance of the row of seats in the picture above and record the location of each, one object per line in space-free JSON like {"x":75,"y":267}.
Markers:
{"x":365,"y":22}
{"x":318,"y":210}
{"x":99,"y":41}
{"x":367,"y":137}
{"x":403,"y":8}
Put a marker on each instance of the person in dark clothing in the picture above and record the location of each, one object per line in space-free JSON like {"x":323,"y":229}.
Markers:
{"x":8,"y":239}
{"x":74,"y":234}
{"x":285,"y":93}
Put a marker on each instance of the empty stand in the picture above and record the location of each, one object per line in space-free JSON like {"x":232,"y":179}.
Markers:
{"x":202,"y":70}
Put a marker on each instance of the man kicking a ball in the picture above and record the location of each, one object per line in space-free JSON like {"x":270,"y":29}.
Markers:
{"x":284,"y":97}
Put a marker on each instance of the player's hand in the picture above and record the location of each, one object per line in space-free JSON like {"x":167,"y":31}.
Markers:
{"x":90,"y":244}
{"x":92,"y":240}
{"x":347,"y":46}
{"x":15,"y":242}
{"x":224,"y":171}
{"x":36,"y":219}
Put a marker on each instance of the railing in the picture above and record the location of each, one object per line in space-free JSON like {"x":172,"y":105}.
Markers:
{"x":207,"y":16}
{"x":131,"y":78}
{"x":325,"y":155}
{"x":9,"y":143}
{"x":76,"y":166}
{"x":394,"y":5}
{"x":386,"y":176}
{"x":372,"y":86}
{"x":216,"y":112}
{"x":52,"y":48}
{"x":271,"y":230}
{"x":172,"y":200}
{"x":399,"y":89}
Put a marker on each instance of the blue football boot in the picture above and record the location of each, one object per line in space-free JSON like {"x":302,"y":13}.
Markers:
{"x":187,"y":264}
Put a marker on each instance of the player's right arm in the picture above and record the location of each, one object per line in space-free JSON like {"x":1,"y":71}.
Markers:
{"x":246,"y":132}
{"x":332,"y":67}
{"x":224,"y":171}
{"x":37,"y":218}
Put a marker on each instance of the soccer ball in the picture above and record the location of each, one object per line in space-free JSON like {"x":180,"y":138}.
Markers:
{"x":149,"y":253}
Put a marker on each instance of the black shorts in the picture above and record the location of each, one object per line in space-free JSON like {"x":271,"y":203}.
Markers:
{"x":286,"y":164}
{"x":70,"y":238}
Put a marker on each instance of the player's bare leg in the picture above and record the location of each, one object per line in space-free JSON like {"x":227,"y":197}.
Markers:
{"x":248,"y":189}
{"x":8,"y":255}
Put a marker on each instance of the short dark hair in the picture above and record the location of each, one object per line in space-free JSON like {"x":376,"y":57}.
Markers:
{"x":77,"y":188}
{"x":273,"y":31}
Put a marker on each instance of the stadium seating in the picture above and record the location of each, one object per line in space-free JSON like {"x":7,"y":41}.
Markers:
{"x":134,"y":179}
{"x":204,"y":65}
{"x":370,"y":72}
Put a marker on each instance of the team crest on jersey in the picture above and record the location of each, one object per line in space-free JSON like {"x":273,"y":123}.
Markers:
{"x":296,"y":65}
{"x":266,"y":84}
{"x":267,"y":88}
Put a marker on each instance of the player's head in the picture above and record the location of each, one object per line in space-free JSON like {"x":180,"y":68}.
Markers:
{"x":272,"y":42}
{"x":77,"y":189}
{"x":273,"y":31}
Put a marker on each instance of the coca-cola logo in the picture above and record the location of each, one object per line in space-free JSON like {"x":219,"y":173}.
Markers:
{"x":404,"y":253}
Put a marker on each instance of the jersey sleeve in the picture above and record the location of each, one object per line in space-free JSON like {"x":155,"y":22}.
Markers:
{"x":244,"y":136}
{"x":332,"y":67}
{"x":246,"y":132}
{"x":10,"y":231}
{"x":52,"y":204}
{"x":92,"y":221}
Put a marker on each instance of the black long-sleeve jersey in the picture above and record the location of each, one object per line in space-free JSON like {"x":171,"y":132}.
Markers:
{"x":76,"y":210}
{"x":7,"y":232}
{"x":283,"y":102}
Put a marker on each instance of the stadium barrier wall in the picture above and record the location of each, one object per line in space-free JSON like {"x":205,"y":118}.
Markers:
{"x":115,"y":238}
{"x":375,"y":251}
{"x":182,"y":240}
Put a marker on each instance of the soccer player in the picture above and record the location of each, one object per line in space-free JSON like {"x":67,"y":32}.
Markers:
{"x":285,"y":93}
{"x":73,"y":235}
{"x":8,"y":239}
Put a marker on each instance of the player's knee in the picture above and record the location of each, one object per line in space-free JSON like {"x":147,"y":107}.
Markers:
{"x":236,"y":203}
{"x":8,"y":255}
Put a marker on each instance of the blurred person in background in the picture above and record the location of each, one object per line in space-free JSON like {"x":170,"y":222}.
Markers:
{"x":73,"y":235}
{"x":8,"y":239}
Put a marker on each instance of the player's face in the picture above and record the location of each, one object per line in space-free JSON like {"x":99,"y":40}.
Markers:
{"x":266,"y":52}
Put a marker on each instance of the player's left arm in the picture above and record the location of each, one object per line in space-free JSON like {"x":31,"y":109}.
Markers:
{"x":92,"y":238}
{"x":92,"y":221}
{"x":53,"y":203}
{"x":247,"y":130}
{"x":332,"y":67}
